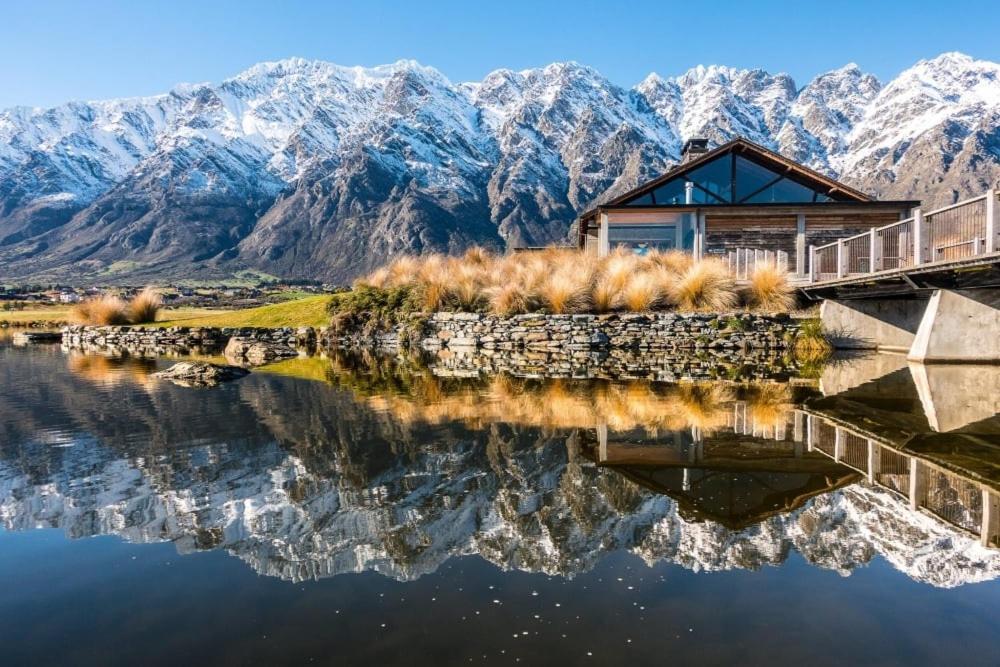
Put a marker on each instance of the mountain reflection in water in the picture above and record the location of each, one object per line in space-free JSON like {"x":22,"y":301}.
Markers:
{"x":383,"y":466}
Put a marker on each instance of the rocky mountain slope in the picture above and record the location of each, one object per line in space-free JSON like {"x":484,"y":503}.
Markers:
{"x":306,"y":480}
{"x":480,"y":496}
{"x":308,"y":169}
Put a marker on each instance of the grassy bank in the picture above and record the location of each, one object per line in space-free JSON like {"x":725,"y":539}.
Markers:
{"x":62,"y":314}
{"x":310,"y":311}
{"x":41,"y":314}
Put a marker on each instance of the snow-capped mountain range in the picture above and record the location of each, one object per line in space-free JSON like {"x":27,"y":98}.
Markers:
{"x":480,"y":497}
{"x":303,"y":479}
{"x":308,"y":169}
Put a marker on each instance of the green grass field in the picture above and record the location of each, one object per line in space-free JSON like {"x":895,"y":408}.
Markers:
{"x":46,"y":314}
{"x":307,"y":312}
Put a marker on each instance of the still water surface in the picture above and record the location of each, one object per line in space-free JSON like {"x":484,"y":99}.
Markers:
{"x":358,"y":511}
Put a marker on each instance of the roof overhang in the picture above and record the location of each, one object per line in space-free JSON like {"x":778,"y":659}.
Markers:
{"x":736,"y":210}
{"x":760,"y":154}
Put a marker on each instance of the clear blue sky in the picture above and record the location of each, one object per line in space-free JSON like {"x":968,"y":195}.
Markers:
{"x":91,"y":49}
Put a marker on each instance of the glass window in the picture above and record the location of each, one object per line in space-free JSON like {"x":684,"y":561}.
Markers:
{"x":699,"y":196}
{"x":671,"y":192}
{"x":784,"y":191}
{"x":714,"y":184}
{"x":715,"y":177}
{"x":641,"y":239}
{"x":751,"y":177}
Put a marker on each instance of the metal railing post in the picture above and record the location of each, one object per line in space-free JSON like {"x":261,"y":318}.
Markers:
{"x":919,"y":237}
{"x":874,"y":261}
{"x":991,"y":220}
{"x":841,"y":259}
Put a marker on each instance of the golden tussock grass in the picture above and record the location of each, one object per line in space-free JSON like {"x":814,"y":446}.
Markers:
{"x":769,"y":290}
{"x":111,"y":371}
{"x":105,"y":310}
{"x":705,"y":286}
{"x":144,"y":306}
{"x":563,"y":280}
{"x":564,"y":404}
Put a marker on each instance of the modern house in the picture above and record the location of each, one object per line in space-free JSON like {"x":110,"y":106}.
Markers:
{"x":737,"y":196}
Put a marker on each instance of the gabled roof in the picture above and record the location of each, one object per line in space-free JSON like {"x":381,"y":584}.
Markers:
{"x":755,"y":153}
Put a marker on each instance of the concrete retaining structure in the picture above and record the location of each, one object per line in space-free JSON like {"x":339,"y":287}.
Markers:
{"x":944,"y":326}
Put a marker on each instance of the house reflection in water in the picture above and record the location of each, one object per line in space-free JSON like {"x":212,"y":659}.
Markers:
{"x":747,"y":471}
{"x":737,"y":475}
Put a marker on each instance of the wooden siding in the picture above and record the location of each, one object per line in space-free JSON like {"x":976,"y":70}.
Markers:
{"x":778,"y":232}
{"x":646,"y":216}
{"x":762,"y":233}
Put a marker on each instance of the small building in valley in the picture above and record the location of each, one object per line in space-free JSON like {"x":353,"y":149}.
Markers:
{"x":737,"y":196}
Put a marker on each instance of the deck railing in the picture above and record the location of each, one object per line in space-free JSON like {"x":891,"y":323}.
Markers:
{"x":964,"y":230}
{"x":744,"y":261}
{"x":956,"y":500}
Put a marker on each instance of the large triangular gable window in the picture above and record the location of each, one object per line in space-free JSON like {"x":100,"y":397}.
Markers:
{"x":731,"y":179}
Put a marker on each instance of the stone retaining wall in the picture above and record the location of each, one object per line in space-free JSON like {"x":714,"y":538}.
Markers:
{"x":736,"y":332}
{"x":153,"y":341}
{"x":618,"y":364}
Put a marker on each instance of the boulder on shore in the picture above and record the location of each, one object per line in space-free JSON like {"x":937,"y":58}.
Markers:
{"x":200,"y":374}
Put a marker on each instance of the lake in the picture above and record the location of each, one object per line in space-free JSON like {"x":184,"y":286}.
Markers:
{"x":361,"y":510}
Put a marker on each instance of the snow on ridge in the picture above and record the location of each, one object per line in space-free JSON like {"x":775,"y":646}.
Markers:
{"x":389,"y":524}
{"x":294,"y":113}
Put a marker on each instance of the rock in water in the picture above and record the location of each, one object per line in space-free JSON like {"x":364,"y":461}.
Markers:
{"x":200,"y":374}
{"x":256,"y":353}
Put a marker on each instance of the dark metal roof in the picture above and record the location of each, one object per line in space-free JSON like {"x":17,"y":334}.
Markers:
{"x":759,"y":153}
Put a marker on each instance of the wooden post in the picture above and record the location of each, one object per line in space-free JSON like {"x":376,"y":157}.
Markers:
{"x":809,"y":433}
{"x":797,"y":426}
{"x":874,"y":261}
{"x":838,"y":444}
{"x":603,"y":245}
{"x":919,"y":237}
{"x":602,"y":442}
{"x":917,"y":482}
{"x":841,"y":259}
{"x":992,"y":226}
{"x":700,"y":237}
{"x":800,"y":244}
{"x":873,"y":459}
{"x":812,"y":263}
{"x":991,"y":518}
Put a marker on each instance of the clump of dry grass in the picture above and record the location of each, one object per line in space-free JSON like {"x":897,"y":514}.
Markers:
{"x":104,"y":310}
{"x":675,"y":262}
{"x":613,"y":275}
{"x":642,"y":292}
{"x":769,"y":404}
{"x":705,"y":286}
{"x":111,"y":310}
{"x":560,"y":280}
{"x":566,"y":286}
{"x":144,"y":306}
{"x":769,"y":290}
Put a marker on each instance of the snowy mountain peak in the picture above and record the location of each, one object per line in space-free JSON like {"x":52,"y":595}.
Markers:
{"x":307,"y":157}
